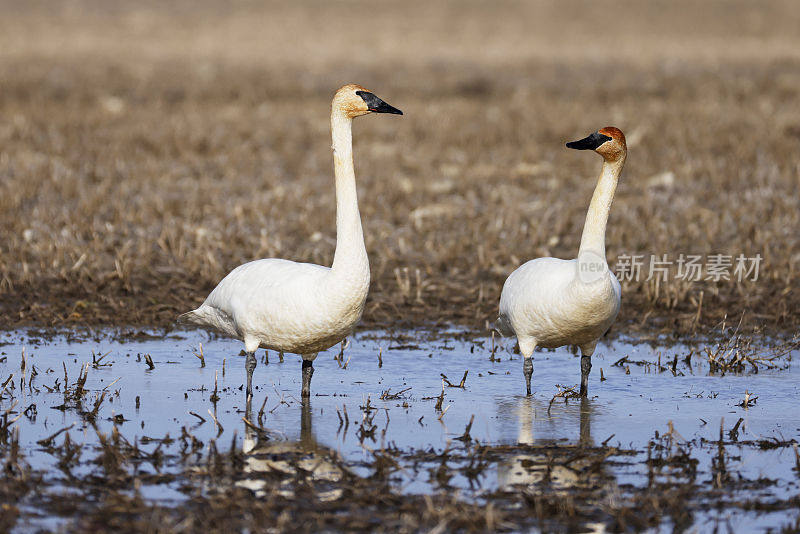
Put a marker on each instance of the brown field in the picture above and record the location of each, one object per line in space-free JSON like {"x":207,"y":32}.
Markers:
{"x":146,"y":150}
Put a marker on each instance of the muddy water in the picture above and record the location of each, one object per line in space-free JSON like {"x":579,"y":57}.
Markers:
{"x":627,"y":408}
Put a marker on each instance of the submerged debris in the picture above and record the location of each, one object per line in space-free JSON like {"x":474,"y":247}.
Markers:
{"x":232,"y":469}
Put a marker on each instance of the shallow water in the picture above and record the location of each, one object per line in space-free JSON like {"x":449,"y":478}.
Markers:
{"x":626,"y":409}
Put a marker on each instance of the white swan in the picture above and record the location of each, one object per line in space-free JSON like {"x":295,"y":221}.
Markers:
{"x":549,"y":302}
{"x":300,"y":307}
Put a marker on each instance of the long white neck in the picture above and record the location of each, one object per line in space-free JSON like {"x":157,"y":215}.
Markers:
{"x":351,"y":253}
{"x":594,"y":230}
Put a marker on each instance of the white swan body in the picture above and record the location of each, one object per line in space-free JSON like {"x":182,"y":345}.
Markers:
{"x":303,"y":308}
{"x":550,"y":302}
{"x":286,"y":306}
{"x":544,"y":300}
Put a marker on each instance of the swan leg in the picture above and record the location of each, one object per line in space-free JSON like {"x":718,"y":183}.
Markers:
{"x":526,"y":347}
{"x":308,"y":372}
{"x":586,"y":366}
{"x":250,"y":366}
{"x":251,"y":344}
{"x":527,"y":370}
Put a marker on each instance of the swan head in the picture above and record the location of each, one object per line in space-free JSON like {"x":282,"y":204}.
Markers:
{"x":609,"y":142}
{"x":352,"y":100}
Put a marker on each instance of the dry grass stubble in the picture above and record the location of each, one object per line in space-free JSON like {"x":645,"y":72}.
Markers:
{"x":145,"y":151}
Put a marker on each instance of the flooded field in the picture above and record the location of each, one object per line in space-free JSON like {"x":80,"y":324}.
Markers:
{"x":148,"y":148}
{"x":404,"y":431}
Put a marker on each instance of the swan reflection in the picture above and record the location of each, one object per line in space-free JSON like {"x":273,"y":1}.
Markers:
{"x":549,"y":461}
{"x":274,"y":463}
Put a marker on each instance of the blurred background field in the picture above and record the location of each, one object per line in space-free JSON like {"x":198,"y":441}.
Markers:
{"x":146,"y":148}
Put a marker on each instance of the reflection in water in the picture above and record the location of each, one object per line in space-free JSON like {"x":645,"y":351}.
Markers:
{"x":276,"y":464}
{"x":537,"y":465}
{"x":547,"y":470}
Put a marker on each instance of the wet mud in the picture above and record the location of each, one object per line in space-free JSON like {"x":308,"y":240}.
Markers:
{"x":404,"y":431}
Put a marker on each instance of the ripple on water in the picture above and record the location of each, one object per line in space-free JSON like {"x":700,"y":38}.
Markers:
{"x":376,"y":402}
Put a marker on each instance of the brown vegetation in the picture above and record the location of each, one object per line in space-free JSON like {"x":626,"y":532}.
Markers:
{"x":557,"y":488}
{"x":146,"y":149}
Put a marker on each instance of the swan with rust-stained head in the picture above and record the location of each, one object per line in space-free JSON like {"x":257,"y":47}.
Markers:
{"x":302,"y":308}
{"x":549,"y":302}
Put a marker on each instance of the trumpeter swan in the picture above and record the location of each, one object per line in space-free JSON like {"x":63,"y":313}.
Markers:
{"x":549,"y":302}
{"x":300,"y":307}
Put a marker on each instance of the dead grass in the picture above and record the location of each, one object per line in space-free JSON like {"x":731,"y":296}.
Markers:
{"x":556,"y":487}
{"x":146,"y":150}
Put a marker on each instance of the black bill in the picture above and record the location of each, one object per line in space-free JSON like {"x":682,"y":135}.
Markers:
{"x":376,"y":105}
{"x":589,"y":143}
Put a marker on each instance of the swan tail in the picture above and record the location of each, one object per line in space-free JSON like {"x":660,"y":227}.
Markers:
{"x":191,"y":317}
{"x":503,"y":326}
{"x":212,"y":318}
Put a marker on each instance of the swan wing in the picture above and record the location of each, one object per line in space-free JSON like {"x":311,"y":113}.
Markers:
{"x":255,"y":289}
{"x":264,"y":283}
{"x":532,"y":291}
